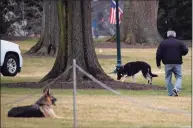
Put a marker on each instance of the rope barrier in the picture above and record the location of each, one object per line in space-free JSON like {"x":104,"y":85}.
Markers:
{"x":32,"y":94}
{"x":130,"y":98}
{"x":109,"y":89}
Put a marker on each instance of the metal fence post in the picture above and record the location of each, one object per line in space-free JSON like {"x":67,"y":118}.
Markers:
{"x":74,"y":92}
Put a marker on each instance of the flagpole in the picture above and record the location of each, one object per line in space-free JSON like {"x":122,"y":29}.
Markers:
{"x":118,"y":37}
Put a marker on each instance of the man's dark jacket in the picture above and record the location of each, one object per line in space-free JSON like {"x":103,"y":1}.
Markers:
{"x":170,"y":51}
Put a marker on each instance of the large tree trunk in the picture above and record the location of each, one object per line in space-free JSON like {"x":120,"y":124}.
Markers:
{"x":140,"y":22}
{"x":75,"y":42}
{"x":48,"y":42}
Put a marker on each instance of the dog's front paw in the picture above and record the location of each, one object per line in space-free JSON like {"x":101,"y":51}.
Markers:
{"x":58,"y":117}
{"x":123,"y":80}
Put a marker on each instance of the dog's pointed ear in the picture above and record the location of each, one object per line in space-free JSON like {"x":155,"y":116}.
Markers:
{"x":46,"y":91}
{"x":120,"y":68}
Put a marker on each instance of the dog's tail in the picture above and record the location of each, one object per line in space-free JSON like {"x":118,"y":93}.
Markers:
{"x":153,"y":75}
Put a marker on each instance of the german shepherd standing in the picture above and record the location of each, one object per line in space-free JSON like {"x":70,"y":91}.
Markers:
{"x":41,"y":108}
{"x":132,"y":68}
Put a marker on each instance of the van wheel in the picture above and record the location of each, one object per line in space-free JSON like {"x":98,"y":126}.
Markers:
{"x":10,"y":65}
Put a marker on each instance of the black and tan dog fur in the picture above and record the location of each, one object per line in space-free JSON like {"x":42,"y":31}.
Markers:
{"x":41,"y":108}
{"x":132,"y":68}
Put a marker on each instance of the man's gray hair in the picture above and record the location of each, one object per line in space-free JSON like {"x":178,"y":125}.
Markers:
{"x":171,"y":33}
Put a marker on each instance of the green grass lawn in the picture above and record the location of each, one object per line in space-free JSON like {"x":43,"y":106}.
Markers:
{"x":100,"y":108}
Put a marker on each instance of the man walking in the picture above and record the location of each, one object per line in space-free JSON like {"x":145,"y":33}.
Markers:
{"x":170,"y":52}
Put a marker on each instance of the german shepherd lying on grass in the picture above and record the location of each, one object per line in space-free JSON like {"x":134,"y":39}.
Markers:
{"x":132,"y":68}
{"x":41,"y":108}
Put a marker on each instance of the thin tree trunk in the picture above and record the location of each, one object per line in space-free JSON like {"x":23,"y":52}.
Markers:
{"x":48,"y":42}
{"x":140,"y":22}
{"x":75,"y":42}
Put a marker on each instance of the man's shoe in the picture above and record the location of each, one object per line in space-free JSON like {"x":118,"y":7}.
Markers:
{"x":175,"y":92}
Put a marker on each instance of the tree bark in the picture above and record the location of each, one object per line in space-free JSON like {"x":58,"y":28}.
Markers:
{"x":75,"y":42}
{"x":140,"y":22}
{"x":48,"y":42}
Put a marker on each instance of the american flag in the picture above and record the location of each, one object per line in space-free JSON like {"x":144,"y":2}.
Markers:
{"x":112,"y":17}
